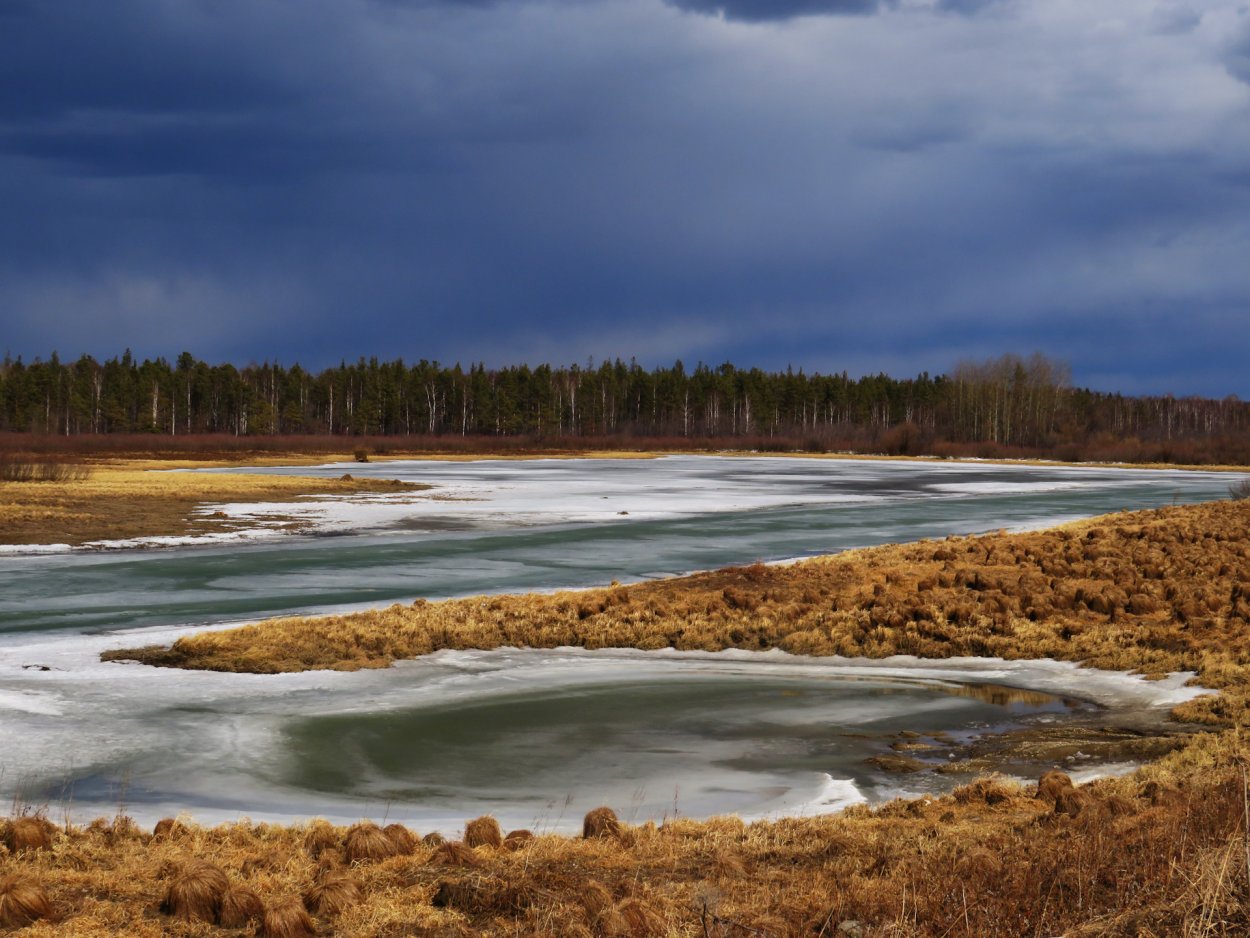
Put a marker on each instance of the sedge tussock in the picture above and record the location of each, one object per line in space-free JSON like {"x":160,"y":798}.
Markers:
{"x":332,"y":895}
{"x":195,"y":892}
{"x":518,"y":839}
{"x":483,"y":832}
{"x":401,"y":837}
{"x":601,"y":822}
{"x":366,"y":842}
{"x":240,"y":907}
{"x":32,"y":832}
{"x":1052,"y":784}
{"x":287,"y":918}
{"x":319,"y":837}
{"x":22,"y":902}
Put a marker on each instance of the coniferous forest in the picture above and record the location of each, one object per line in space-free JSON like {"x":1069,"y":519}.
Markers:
{"x":1010,"y":406}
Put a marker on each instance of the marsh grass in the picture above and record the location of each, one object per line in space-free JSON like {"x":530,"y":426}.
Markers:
{"x":15,"y":467}
{"x":990,"y":859}
{"x":127,"y":499}
{"x":1160,"y":852}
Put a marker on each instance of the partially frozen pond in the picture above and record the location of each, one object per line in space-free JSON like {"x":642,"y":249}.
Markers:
{"x":534,"y":736}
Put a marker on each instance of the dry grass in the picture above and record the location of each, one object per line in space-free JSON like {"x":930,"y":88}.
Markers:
{"x":483,"y":832}
{"x":332,"y":894}
{"x":1161,"y":852}
{"x":22,"y":902}
{"x":240,"y":907}
{"x":601,"y":822}
{"x":1155,"y":591}
{"x":287,"y":919}
{"x":126,"y":498}
{"x":366,"y":842}
{"x":988,"y":860}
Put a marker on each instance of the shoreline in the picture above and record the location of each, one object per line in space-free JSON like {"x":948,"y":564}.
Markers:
{"x":143,"y":503}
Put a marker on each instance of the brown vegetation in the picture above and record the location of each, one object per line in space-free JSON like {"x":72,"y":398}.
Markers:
{"x":128,"y":498}
{"x":17,"y":467}
{"x":401,"y":837}
{"x":518,"y":839}
{"x":22,"y":902}
{"x":28,"y":833}
{"x":195,"y":892}
{"x":990,"y":859}
{"x":1161,"y":852}
{"x":287,"y":919}
{"x":483,"y":832}
{"x":601,"y":822}
{"x":332,"y":894}
{"x":240,"y":907}
{"x":367,"y":842}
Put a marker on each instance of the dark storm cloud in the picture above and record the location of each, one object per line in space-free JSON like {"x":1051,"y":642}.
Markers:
{"x":969,"y":7}
{"x":556,"y":180}
{"x":761,"y":10}
{"x":1237,"y":58}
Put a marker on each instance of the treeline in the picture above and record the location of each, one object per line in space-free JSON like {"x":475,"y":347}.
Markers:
{"x":1006,"y":406}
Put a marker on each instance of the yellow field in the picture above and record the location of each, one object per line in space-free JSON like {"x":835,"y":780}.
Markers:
{"x":128,"y":498}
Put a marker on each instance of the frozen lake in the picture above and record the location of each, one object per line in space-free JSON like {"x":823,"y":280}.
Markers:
{"x":746,"y":736}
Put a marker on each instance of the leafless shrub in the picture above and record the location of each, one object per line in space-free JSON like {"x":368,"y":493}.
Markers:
{"x":18,"y":468}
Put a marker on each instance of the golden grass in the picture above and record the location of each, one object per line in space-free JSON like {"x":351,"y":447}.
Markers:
{"x":990,"y":859}
{"x":366,"y":842}
{"x":22,"y":902}
{"x":601,"y":822}
{"x":127,"y":498}
{"x":1155,"y":591}
{"x":1161,"y":852}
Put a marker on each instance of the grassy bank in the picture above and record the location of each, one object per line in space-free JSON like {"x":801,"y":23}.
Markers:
{"x":106,"y":498}
{"x":1151,"y":856}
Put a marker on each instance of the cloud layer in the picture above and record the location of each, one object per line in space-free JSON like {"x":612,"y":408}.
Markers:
{"x":836,"y":184}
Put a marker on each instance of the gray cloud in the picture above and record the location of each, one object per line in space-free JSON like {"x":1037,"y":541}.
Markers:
{"x":969,"y":7}
{"x":756,"y":11}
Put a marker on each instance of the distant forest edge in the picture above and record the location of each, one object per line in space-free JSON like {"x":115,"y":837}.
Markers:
{"x":1011,"y":406}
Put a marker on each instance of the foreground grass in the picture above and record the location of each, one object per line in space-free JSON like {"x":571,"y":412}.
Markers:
{"x":1160,"y":853}
{"x":1154,"y":855}
{"x":129,"y":498}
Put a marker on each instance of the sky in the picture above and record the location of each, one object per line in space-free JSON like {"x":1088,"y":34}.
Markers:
{"x":833,"y":185}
